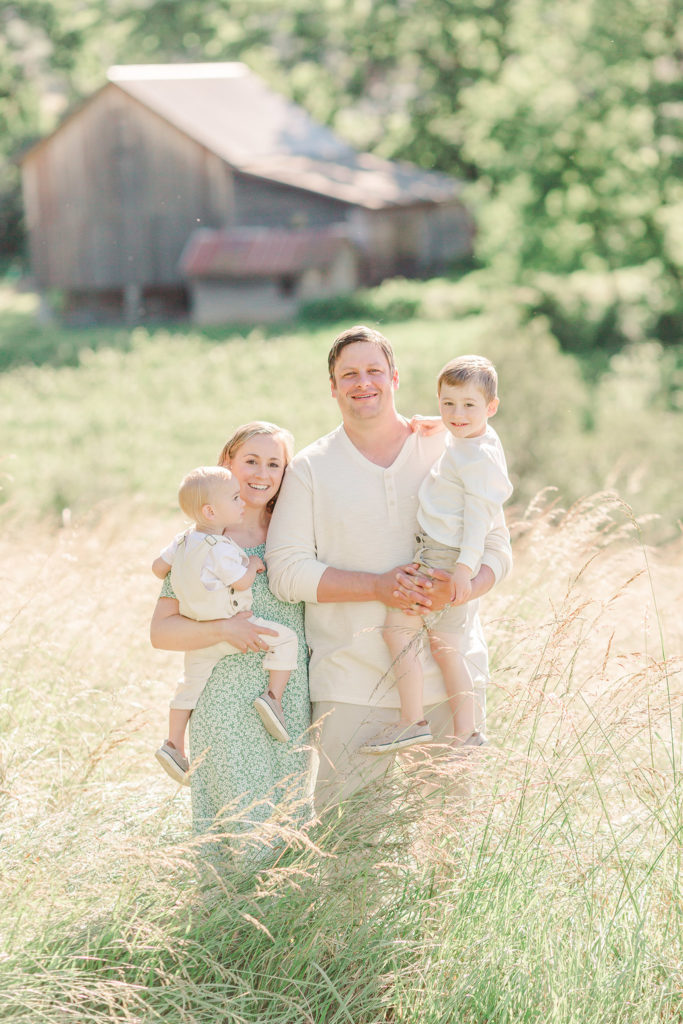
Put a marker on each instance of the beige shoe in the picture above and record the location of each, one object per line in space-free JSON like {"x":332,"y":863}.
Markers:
{"x":396,"y":737}
{"x":272,"y":716}
{"x":173,"y":762}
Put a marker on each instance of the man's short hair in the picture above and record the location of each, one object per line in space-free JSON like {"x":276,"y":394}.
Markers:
{"x":476,"y":370}
{"x":360,"y":333}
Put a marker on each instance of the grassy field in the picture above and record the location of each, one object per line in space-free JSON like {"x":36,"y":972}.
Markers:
{"x":547,"y":889}
{"x":113,"y":413}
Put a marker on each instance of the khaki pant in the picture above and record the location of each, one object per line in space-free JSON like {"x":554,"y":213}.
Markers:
{"x":340,"y":729}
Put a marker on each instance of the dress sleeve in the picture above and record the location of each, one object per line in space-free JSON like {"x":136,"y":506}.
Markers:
{"x":294,"y":571}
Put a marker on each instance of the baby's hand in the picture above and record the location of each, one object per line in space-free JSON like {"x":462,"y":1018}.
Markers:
{"x":256,"y":563}
{"x":463,"y":583}
{"x":425,"y":425}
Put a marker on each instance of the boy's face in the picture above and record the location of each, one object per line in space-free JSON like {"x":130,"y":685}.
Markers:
{"x":227,"y":505}
{"x":464,"y":409}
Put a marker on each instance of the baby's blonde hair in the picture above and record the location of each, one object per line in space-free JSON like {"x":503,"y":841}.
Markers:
{"x":476,"y":370}
{"x":198,"y":488}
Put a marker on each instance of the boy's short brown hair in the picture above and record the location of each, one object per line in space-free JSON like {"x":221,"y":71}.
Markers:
{"x":198,"y":487}
{"x":476,"y":370}
{"x":364,"y":334}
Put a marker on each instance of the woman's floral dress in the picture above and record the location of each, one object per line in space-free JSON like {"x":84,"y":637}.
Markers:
{"x":240,"y":773}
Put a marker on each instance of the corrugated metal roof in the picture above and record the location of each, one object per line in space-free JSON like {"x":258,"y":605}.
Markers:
{"x":232,"y":112}
{"x":259,"y":252}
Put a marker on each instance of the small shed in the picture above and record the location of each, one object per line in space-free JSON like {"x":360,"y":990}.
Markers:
{"x":113,"y":195}
{"x":232,"y":274}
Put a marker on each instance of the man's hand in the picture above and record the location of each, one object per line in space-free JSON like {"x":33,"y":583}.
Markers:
{"x":406,"y":588}
{"x":425,"y":593}
{"x":426,"y":425}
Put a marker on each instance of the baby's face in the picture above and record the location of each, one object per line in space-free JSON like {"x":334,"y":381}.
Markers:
{"x":464,"y":409}
{"x":227,"y":503}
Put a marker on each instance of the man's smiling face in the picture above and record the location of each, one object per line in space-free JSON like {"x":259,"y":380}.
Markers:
{"x":362,"y":382}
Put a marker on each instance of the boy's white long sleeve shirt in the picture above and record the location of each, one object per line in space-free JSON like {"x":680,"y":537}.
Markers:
{"x":463,"y":494}
{"x":336,"y":508}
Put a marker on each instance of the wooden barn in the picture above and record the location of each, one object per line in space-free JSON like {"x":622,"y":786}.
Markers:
{"x":115,"y":193}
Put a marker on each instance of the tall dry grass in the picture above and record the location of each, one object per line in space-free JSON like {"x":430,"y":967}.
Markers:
{"x":542,"y":884}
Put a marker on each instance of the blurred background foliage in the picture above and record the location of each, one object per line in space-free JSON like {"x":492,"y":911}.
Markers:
{"x":565,"y":124}
{"x":565,"y":121}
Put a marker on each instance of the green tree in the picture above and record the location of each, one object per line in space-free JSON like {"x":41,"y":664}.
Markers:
{"x":578,"y":139}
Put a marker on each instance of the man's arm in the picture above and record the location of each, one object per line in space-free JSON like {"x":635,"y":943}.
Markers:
{"x":291,"y":557}
{"x":296,"y":574}
{"x":497,"y":551}
{"x":344,"y":585}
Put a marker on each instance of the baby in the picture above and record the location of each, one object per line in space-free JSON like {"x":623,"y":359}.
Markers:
{"x":212,"y":578}
{"x":458,"y":501}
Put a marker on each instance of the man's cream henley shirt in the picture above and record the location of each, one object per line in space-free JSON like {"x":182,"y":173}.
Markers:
{"x":336,"y":508}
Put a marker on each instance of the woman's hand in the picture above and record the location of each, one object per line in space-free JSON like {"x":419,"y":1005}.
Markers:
{"x":244,"y":634}
{"x":171,"y":631}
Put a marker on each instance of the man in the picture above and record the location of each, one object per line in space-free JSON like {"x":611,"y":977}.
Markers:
{"x":341,"y":538}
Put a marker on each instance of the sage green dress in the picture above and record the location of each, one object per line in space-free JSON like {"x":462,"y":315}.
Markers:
{"x":242,"y":775}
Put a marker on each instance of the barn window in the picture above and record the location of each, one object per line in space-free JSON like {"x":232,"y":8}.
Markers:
{"x":287,"y":284}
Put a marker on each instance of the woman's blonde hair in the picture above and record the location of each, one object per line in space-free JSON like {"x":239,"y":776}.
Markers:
{"x":254,"y":429}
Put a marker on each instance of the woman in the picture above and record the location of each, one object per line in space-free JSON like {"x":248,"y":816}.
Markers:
{"x":239,"y":770}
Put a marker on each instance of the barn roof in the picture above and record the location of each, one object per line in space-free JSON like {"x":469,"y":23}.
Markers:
{"x":259,"y":252}
{"x":234,"y":114}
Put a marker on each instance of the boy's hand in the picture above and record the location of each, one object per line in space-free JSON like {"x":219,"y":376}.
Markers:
{"x":462,"y":581}
{"x":256,"y":564}
{"x":425,"y":425}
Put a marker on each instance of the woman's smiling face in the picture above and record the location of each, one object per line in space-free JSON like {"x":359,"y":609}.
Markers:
{"x":259,"y":465}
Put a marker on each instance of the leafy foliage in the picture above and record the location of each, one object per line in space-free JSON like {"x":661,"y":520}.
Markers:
{"x":565,"y":120}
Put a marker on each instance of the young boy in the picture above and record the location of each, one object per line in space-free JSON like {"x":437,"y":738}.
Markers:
{"x":212,"y":578}
{"x":458,"y":502}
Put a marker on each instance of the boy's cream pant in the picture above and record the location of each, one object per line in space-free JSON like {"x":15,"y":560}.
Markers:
{"x":340,"y":729}
{"x":281,"y":654}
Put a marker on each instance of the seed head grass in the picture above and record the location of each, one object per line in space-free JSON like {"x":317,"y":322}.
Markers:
{"x":537,"y":881}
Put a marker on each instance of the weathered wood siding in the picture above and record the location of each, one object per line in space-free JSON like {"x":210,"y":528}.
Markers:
{"x":260,"y":203}
{"x":113,"y":196}
{"x":412,"y":241}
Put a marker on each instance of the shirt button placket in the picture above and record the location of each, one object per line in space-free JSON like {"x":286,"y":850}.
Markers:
{"x":392,"y":502}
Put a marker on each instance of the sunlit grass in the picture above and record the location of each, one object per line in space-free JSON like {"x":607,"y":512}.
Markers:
{"x":545,"y":889}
